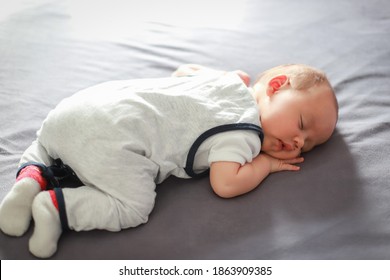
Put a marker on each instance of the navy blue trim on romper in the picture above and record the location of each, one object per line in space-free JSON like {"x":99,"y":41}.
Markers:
{"x":53,"y":174}
{"x":189,"y":169}
{"x":61,"y":208}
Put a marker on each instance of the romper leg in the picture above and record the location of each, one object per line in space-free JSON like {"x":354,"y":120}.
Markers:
{"x":15,"y":209}
{"x":119,"y":193}
{"x":124,"y":198}
{"x":37,"y":153}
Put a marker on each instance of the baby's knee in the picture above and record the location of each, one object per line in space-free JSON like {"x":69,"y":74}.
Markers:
{"x":135,"y":212}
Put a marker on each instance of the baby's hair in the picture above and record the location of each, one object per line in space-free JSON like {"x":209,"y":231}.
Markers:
{"x":301,"y":77}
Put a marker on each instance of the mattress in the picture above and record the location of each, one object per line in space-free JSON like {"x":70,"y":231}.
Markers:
{"x":336,"y":207}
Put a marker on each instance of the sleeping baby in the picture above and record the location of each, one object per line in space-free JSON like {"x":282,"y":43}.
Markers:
{"x":121,"y":138}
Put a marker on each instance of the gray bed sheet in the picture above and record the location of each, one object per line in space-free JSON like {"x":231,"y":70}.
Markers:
{"x":336,"y":207}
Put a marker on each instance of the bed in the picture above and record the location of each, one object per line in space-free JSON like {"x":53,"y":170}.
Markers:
{"x":336,"y":207}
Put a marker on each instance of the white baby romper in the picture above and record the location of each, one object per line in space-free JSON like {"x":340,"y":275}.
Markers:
{"x":122,"y":138}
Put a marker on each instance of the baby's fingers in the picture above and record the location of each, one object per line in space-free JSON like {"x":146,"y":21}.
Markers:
{"x":294,"y":160}
{"x":283,"y":164}
{"x":289,"y":164}
{"x":288,"y":167}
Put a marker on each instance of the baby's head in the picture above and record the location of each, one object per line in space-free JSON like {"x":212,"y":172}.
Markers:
{"x":298,"y":109}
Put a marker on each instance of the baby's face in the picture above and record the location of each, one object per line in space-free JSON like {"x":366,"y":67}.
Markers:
{"x":296,"y":121}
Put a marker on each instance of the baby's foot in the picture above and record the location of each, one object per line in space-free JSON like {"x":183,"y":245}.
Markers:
{"x":15,"y":210}
{"x":47,"y":231}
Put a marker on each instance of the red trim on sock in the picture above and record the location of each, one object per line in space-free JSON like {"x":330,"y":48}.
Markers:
{"x":34,"y":173}
{"x":53,"y":198}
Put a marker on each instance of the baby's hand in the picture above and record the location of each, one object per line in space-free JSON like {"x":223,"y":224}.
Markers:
{"x":283,"y":164}
{"x":188,"y":69}
{"x":244,"y":77}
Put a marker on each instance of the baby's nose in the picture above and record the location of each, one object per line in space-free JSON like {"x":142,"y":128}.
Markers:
{"x":299,"y":142}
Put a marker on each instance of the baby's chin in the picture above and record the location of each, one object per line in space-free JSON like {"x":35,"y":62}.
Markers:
{"x":281,"y":154}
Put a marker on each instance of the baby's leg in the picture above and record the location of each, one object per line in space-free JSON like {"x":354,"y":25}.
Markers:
{"x":15,"y":209}
{"x":126,"y":202}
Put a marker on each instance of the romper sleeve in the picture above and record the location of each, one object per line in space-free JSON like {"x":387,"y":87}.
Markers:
{"x":236,"y":146}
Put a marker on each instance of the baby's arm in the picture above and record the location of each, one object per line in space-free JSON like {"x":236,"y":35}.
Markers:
{"x":230,"y":179}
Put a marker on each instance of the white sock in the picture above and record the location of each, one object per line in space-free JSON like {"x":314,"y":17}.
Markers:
{"x":47,"y":231}
{"x":15,"y":209}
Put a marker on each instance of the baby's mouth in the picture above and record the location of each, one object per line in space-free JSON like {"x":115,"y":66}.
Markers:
{"x":283,"y":146}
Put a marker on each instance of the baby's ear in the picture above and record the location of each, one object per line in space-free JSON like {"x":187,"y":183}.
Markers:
{"x":276,"y":83}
